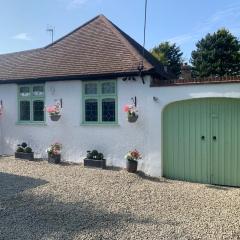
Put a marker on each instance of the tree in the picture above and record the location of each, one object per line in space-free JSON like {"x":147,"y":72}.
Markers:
{"x":217,"y":54}
{"x":169,"y":55}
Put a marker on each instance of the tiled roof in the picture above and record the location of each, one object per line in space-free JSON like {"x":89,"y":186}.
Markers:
{"x":98,"y":48}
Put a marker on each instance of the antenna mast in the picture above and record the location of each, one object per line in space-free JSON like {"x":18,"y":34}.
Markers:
{"x":144,"y":31}
{"x":51,"y":31}
{"x":141,"y":64}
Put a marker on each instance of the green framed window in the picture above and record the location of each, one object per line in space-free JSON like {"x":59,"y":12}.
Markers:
{"x":100,"y":102}
{"x":31,"y":99}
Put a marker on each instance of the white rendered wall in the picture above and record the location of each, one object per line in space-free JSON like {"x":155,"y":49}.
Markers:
{"x":113,"y":141}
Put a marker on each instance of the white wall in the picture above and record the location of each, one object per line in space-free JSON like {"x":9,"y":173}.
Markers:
{"x":113,"y":141}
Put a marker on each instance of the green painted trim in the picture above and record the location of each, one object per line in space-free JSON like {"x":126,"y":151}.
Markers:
{"x":101,"y":124}
{"x":31,"y":123}
{"x":99,"y":97}
{"x":31,"y":99}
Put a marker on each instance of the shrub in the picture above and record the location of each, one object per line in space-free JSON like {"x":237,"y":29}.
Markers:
{"x":94,"y":152}
{"x":28,"y":150}
{"x":23,"y":147}
{"x":99,"y":156}
{"x":89,"y":155}
{"x":94,"y":155}
{"x":20,"y":149}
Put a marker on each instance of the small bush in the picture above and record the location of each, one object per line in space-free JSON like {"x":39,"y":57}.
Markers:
{"x":20,"y":149}
{"x":28,"y":150}
{"x":94,"y":153}
{"x":89,"y":155}
{"x":99,"y":156}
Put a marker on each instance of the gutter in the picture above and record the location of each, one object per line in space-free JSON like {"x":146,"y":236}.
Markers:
{"x":92,"y":77}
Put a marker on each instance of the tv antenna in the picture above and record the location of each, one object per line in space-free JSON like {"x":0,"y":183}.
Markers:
{"x":141,"y":64}
{"x":51,"y":30}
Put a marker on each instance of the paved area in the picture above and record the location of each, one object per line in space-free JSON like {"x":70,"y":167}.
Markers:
{"x":43,"y":201}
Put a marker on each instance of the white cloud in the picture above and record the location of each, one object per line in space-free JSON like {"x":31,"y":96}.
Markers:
{"x":180,"y":39}
{"x":22,"y":36}
{"x":76,"y":3}
{"x":228,"y":18}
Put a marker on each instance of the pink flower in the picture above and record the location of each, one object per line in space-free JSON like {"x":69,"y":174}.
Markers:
{"x":126,"y":108}
{"x":51,"y":109}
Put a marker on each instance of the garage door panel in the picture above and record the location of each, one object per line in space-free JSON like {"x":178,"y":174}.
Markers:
{"x":202,"y":136}
{"x":188,"y":147}
{"x":190,"y":151}
{"x":185,"y":142}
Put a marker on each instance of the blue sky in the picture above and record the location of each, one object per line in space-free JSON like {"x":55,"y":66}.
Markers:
{"x":23,"y":23}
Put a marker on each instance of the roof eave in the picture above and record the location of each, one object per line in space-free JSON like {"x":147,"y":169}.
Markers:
{"x":89,"y":77}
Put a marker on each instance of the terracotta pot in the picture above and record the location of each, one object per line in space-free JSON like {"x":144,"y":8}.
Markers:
{"x":55,"y":118}
{"x":132,"y":166}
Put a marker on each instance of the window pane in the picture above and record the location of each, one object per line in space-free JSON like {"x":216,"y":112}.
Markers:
{"x":24,"y":111}
{"x":38,"y":110}
{"x":91,"y":110}
{"x":38,"y":91}
{"x":108,"y":88}
{"x":91,"y":88}
{"x":108,"y":110}
{"x":24,"y":92}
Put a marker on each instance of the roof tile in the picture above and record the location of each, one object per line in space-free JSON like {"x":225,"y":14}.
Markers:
{"x":96,"y":48}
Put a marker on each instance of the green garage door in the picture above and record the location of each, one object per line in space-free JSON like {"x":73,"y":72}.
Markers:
{"x":201,"y":141}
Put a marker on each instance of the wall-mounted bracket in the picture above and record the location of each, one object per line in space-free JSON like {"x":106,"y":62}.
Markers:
{"x":134,"y":100}
{"x":59,"y":102}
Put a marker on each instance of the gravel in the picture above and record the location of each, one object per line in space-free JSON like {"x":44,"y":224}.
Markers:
{"x":43,"y":201}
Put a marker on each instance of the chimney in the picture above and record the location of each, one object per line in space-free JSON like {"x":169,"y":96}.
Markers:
{"x":186,"y":72}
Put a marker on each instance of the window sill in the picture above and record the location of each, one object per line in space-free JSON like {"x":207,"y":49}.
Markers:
{"x":100,"y":124}
{"x":32,"y":123}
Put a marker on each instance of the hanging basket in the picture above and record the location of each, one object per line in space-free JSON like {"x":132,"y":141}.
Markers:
{"x":55,"y":118}
{"x":132,"y":118}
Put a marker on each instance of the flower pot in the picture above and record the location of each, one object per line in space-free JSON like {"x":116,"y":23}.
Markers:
{"x":56,"y":159}
{"x":55,"y":117}
{"x":132,"y":118}
{"x":132,"y":166}
{"x":27,"y":156}
{"x":95,"y":163}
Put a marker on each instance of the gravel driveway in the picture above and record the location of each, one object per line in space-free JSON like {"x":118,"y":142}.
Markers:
{"x":43,"y":201}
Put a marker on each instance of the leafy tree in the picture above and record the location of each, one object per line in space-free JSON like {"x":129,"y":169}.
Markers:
{"x":217,"y":54}
{"x":169,"y":55}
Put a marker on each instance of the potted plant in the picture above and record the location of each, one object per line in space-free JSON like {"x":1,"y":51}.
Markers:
{"x":132,"y":114}
{"x":24,"y":152}
{"x":54,"y":153}
{"x":95,"y":159}
{"x":132,"y":158}
{"x":54,"y":112}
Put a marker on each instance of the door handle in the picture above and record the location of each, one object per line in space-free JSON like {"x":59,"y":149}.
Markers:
{"x":203,"y":138}
{"x":214,"y":138}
